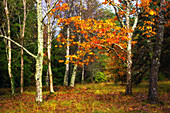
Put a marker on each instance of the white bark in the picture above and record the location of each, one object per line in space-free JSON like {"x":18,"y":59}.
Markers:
{"x":49,"y":50}
{"x":9,"y":47}
{"x":72,"y":83}
{"x":82,"y":76}
{"x":67,"y":59}
{"x":39,"y":59}
{"x":129,"y":54}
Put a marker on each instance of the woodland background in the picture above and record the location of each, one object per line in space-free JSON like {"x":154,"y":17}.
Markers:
{"x":103,"y":67}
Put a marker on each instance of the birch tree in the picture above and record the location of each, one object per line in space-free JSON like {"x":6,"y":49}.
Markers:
{"x":129,"y":28}
{"x":67,"y":52}
{"x":49,"y":49}
{"x":72,"y":83}
{"x":8,"y":48}
{"x":39,"y":56}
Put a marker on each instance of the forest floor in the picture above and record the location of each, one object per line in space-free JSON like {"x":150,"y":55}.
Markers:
{"x":88,"y":98}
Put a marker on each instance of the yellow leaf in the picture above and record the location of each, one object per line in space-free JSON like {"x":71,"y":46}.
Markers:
{"x":152,"y":12}
{"x":91,"y":53}
{"x":149,"y":27}
{"x":67,"y":61}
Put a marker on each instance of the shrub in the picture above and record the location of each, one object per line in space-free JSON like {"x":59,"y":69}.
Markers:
{"x":100,"y":77}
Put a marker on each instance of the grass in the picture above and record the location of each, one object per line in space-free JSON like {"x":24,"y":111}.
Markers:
{"x":88,"y":98}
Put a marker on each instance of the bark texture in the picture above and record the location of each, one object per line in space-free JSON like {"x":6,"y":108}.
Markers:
{"x":153,"y":87}
{"x":22,"y":51}
{"x":72,"y":83}
{"x":9,"y":47}
{"x":39,"y":59}
{"x":129,"y":54}
{"x":49,"y":50}
{"x":67,"y":59}
{"x":82,"y":78}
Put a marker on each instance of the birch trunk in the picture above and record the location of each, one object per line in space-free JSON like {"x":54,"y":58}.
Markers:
{"x":9,"y":47}
{"x":49,"y":50}
{"x":22,"y":51}
{"x":39,"y":59}
{"x":72,"y":83}
{"x":153,"y":87}
{"x":67,"y":59}
{"x":82,"y":74}
{"x":129,"y":54}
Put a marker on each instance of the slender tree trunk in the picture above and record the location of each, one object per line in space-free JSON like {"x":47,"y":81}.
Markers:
{"x":39,"y":59}
{"x":72,"y":83}
{"x":153,"y":87}
{"x":22,"y":51}
{"x":67,"y":51}
{"x":67,"y":59}
{"x":47,"y":79}
{"x":129,"y":47}
{"x":9,"y":48}
{"x":82,"y":74}
{"x":49,"y":50}
{"x":22,"y":66}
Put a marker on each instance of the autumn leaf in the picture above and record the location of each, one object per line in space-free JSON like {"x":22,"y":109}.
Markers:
{"x":152,"y":12}
{"x":60,"y":61}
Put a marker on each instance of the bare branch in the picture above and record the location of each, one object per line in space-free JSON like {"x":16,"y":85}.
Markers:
{"x":19,"y":46}
{"x":119,"y":47}
{"x":136,"y":19}
{"x":49,"y":10}
{"x":119,"y":19}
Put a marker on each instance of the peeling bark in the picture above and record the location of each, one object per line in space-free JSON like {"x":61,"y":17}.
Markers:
{"x":39,"y":59}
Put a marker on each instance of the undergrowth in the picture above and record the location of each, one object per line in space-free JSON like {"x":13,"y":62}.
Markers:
{"x":88,"y":98}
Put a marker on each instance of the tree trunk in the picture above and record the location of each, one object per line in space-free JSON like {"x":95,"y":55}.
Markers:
{"x":22,"y":51}
{"x":22,"y":66}
{"x":49,"y":51}
{"x":9,"y":48}
{"x":153,"y":87}
{"x":67,"y":60}
{"x":39,"y":59}
{"x":47,"y":79}
{"x":129,"y":48}
{"x":72,"y":83}
{"x":82,"y":78}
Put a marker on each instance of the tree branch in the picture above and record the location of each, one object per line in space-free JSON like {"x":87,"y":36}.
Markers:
{"x":111,"y":48}
{"x":136,"y":19}
{"x":19,"y":46}
{"x":119,"y":19}
{"x":49,"y":10}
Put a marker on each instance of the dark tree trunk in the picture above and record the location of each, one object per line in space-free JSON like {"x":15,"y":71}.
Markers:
{"x":153,"y":87}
